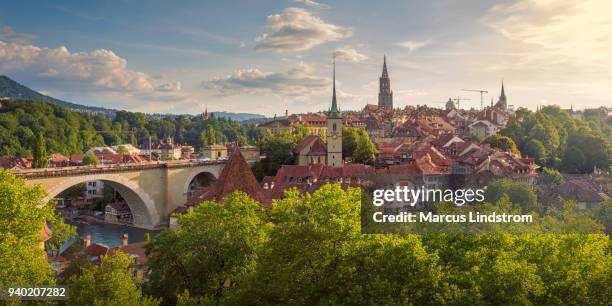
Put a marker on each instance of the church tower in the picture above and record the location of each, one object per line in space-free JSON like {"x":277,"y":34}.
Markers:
{"x":502,"y":103}
{"x":385,"y":95}
{"x":334,"y":130}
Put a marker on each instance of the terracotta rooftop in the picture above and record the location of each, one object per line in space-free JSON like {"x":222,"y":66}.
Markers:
{"x":236,"y":175}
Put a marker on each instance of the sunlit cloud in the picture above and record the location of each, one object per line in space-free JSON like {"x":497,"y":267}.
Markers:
{"x":349,"y":54}
{"x":297,"y":29}
{"x":412,"y":45}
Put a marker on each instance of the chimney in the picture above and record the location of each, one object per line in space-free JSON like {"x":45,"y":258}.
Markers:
{"x":87,"y":240}
{"x":124,"y":239}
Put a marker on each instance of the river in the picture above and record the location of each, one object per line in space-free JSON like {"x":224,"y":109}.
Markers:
{"x":108,"y":234}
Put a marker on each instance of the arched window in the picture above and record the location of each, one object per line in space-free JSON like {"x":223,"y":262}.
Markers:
{"x":334,"y":127}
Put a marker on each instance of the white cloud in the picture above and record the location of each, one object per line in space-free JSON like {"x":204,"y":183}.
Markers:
{"x":312,"y":3}
{"x":349,"y":54}
{"x":412,"y":45}
{"x":295,"y":81}
{"x":296,"y":29}
{"x":96,"y":71}
{"x":573,"y":30}
{"x":169,"y":87}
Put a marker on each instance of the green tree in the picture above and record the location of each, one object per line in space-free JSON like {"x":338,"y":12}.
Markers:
{"x":349,"y":141}
{"x":278,"y":151}
{"x":503,"y":143}
{"x":109,"y":283}
{"x":40,"y":152}
{"x":22,"y":217}
{"x":317,"y":255}
{"x":534,"y":148}
{"x":90,"y":159}
{"x":603,"y":214}
{"x":203,"y":139}
{"x":61,"y":233}
{"x":550,"y":176}
{"x":365,"y":152}
{"x":212,"y":136}
{"x":520,"y":194}
{"x":574,"y":160}
{"x":215,"y":247}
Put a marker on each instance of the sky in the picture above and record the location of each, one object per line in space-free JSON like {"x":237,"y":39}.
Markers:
{"x":266,"y":57}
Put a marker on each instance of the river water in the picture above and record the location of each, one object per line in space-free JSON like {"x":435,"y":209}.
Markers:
{"x":108,"y":234}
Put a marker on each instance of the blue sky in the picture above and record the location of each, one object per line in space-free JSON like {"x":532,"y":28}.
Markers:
{"x":268,"y":56}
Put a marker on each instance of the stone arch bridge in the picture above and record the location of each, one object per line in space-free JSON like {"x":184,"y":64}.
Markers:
{"x":151,"y":189}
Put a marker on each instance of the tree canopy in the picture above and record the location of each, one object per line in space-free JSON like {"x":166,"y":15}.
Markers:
{"x":22,"y":217}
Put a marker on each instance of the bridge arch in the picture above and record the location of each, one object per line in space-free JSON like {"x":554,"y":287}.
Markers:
{"x":205,"y":177}
{"x":144,"y":211}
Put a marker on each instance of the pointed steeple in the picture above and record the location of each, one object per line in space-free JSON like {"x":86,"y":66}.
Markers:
{"x":503,"y":102}
{"x":333,"y":111}
{"x":236,"y":175}
{"x":385,"y":95}
{"x":385,"y":74}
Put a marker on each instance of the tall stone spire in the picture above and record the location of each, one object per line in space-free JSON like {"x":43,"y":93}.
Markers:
{"x":502,"y":103}
{"x":385,"y":74}
{"x":385,"y":95}
{"x":333,"y":111}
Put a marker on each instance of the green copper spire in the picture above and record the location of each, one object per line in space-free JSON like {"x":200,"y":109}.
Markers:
{"x":333,"y":111}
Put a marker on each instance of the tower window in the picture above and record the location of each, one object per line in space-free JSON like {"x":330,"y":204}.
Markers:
{"x":334,"y":127}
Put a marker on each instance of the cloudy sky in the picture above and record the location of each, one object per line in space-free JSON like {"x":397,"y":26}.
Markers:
{"x":268,"y":56}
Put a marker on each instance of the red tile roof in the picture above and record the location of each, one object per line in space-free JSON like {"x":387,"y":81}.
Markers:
{"x":96,"y":250}
{"x":236,"y":175}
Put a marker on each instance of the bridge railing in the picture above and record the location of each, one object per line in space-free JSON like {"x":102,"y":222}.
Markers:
{"x":96,"y":169}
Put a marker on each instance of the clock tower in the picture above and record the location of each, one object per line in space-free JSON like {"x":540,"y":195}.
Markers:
{"x":334,"y":130}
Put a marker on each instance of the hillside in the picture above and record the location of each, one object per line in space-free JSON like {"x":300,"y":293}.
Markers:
{"x":15,"y":90}
{"x":239,"y":116}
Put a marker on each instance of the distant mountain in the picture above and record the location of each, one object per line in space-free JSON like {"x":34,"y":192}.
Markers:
{"x":14,"y":90}
{"x":238,"y":116}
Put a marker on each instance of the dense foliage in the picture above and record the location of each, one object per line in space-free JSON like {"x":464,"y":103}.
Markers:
{"x":29,"y":127}
{"x":574,"y":144}
{"x":310,"y":250}
{"x":215,"y":247}
{"x":22,"y":218}
{"x":109,"y":283}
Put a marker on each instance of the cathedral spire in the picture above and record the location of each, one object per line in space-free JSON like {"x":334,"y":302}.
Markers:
{"x":503,"y":93}
{"x":385,"y":95}
{"x":385,"y":74}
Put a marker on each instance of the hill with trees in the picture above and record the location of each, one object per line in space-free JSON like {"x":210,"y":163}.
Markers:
{"x":68,"y":132}
{"x":558,"y":140}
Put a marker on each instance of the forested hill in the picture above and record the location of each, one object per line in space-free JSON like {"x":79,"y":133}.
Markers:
{"x":15,"y":90}
{"x":68,"y":132}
